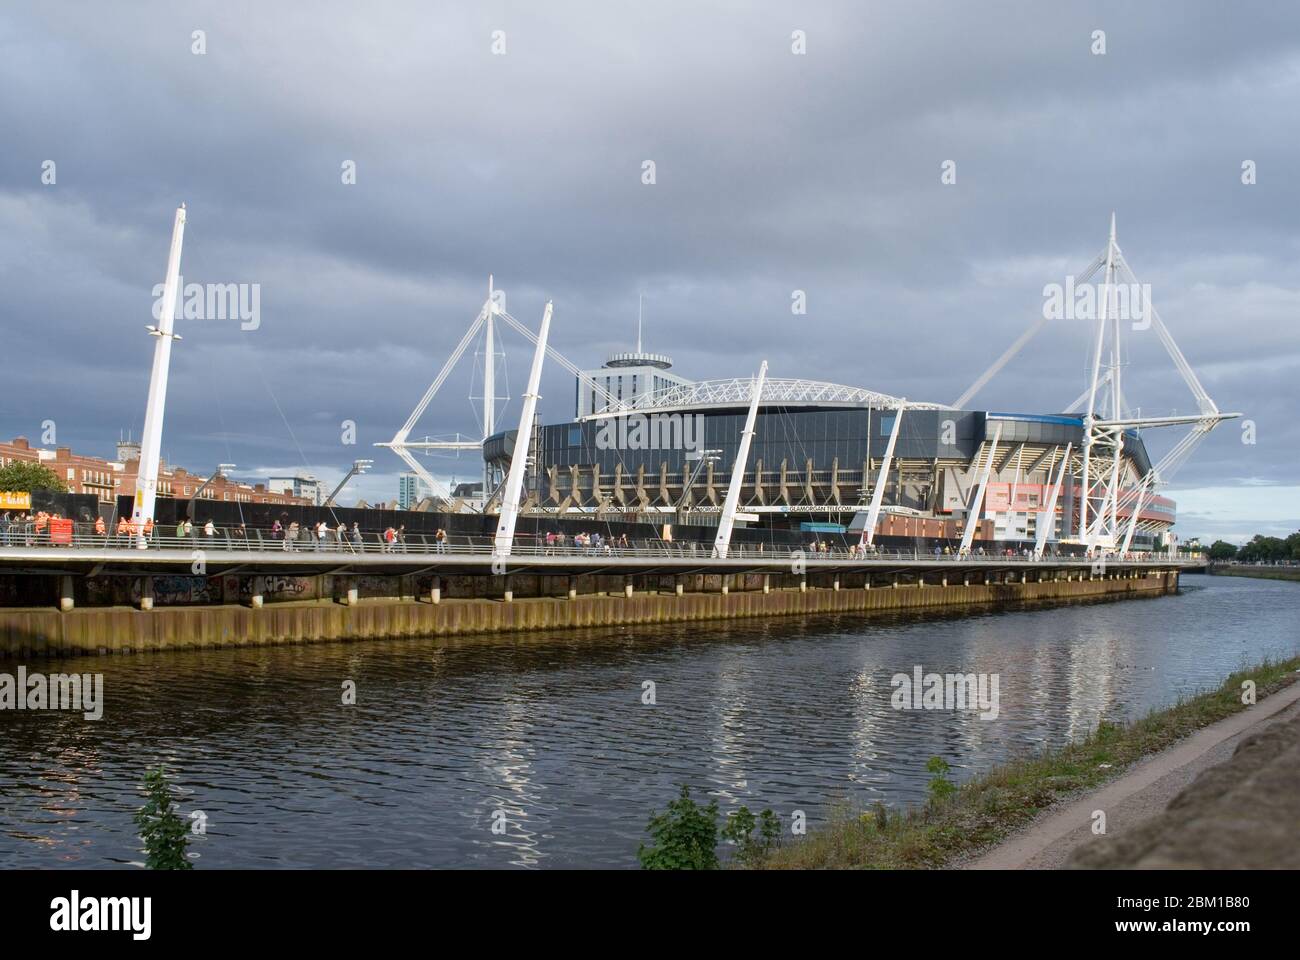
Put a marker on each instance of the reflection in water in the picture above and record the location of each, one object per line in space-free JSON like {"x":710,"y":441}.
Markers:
{"x":549,"y":733}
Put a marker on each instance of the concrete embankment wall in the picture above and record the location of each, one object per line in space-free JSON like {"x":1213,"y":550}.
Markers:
{"x":49,"y":632}
{"x":1259,"y":573}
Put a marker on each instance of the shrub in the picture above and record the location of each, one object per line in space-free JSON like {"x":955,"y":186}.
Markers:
{"x":739,"y":829}
{"x":941,"y":788}
{"x":684,"y":838}
{"x":164,"y":833}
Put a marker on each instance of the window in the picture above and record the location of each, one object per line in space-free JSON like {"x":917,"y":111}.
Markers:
{"x":575,"y":436}
{"x":886,"y":424}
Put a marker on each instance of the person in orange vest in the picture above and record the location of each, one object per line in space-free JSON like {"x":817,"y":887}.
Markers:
{"x":99,"y":526}
{"x":121,"y":528}
{"x":148,"y":527}
{"x":42,"y":519}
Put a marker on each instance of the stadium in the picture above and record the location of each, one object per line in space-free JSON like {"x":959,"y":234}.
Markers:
{"x":794,"y":456}
{"x":667,"y":453}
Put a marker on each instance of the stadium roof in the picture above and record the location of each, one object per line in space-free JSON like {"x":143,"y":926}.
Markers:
{"x":776,"y":393}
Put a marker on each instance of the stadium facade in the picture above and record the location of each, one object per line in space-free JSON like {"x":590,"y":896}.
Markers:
{"x":664,"y":449}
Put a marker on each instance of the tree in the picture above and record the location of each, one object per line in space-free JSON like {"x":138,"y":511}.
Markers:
{"x":161,"y":828}
{"x":1293,"y":546}
{"x":23,"y":476}
{"x":1222,"y":550}
{"x":1264,"y":549}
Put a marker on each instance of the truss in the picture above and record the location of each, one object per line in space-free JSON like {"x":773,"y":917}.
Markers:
{"x":738,"y":391}
{"x":485,"y":321}
{"x":1105,"y":484}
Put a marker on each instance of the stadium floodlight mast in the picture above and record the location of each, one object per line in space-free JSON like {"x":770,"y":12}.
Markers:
{"x":358,"y":467}
{"x":146,"y":482}
{"x":1101,"y":477}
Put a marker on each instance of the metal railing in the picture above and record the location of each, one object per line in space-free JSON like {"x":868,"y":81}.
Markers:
{"x":236,"y":540}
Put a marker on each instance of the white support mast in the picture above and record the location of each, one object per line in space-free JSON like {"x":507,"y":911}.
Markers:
{"x":146,"y":483}
{"x":1137,"y":509}
{"x":489,"y":367}
{"x":873,"y":512}
{"x":1047,"y":524}
{"x":505,"y":536}
{"x":1103,"y":473}
{"x":1090,"y":433}
{"x":977,"y":502}
{"x":722,"y":541}
{"x":489,"y":385}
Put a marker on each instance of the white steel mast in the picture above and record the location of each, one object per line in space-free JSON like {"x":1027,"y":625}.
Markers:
{"x":146,"y":482}
{"x":722,"y":541}
{"x":873,"y":512}
{"x":977,"y":502}
{"x":1090,"y":434}
{"x":505,"y":536}
{"x":489,"y":385}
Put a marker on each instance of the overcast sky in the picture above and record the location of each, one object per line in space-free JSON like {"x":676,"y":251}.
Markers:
{"x":774,"y":172}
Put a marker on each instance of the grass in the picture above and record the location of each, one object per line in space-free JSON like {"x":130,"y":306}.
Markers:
{"x":990,"y":808}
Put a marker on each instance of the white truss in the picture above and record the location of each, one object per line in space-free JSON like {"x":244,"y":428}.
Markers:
{"x":490,"y":311}
{"x":1105,"y":486}
{"x":738,"y":391}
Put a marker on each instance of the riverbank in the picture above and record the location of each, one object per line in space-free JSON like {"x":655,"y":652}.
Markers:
{"x":100,"y":630}
{"x":1259,"y":573}
{"x":991,"y":808}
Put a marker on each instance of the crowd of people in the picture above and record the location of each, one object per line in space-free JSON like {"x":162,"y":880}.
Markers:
{"x":41,"y":528}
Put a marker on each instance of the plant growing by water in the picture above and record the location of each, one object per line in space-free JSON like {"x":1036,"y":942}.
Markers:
{"x":685,"y":837}
{"x":941,"y":788}
{"x":752,"y":850}
{"x":164,"y":833}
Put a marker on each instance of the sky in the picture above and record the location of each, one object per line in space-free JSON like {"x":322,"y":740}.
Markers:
{"x":512,"y":139}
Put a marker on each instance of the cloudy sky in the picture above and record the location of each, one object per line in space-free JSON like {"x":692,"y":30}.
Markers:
{"x":774,"y":172}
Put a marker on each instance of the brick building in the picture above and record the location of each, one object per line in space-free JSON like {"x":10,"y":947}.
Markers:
{"x":107,"y":479}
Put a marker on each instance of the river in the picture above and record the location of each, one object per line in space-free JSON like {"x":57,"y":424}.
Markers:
{"x":552,"y":731}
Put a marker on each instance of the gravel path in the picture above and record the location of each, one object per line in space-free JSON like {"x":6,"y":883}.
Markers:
{"x":1235,"y":809}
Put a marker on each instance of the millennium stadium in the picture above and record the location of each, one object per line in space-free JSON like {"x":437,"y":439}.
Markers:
{"x":793,"y":455}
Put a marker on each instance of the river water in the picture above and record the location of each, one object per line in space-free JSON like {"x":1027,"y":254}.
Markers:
{"x":548,"y":737}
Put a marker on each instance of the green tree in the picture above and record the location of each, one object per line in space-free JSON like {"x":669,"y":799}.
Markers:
{"x":1222,"y":550}
{"x":1264,"y":549}
{"x":24,"y":477}
{"x":684,"y":838}
{"x":1293,"y":546}
{"x":164,"y":833}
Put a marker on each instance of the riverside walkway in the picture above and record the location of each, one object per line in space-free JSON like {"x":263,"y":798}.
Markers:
{"x":257,"y":551}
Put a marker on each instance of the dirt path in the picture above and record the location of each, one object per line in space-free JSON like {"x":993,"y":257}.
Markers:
{"x":1140,"y":794}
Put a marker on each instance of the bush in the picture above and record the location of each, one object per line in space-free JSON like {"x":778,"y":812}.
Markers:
{"x":941,"y":788}
{"x":684,"y":838}
{"x":739,"y":829}
{"x":164,"y":833}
